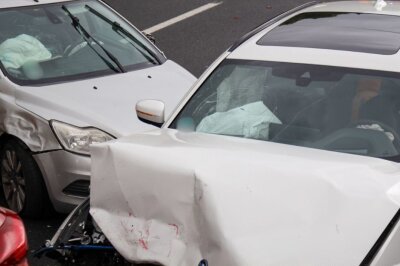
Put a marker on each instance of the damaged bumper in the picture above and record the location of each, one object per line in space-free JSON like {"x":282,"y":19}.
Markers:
{"x":67,"y":177}
{"x":79,"y":240}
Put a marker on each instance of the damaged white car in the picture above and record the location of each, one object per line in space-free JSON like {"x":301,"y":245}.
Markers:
{"x":286,"y":152}
{"x":71,"y":74}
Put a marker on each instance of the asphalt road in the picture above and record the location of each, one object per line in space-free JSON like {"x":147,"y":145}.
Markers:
{"x":197,"y":41}
{"x":194,"y":43}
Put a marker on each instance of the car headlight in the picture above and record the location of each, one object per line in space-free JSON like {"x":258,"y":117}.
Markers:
{"x":78,"y":139}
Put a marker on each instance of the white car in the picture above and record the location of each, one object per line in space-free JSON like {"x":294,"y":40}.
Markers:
{"x":71,"y":74}
{"x":285,"y":152}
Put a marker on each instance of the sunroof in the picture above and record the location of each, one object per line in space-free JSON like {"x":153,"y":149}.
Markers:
{"x":366,"y":33}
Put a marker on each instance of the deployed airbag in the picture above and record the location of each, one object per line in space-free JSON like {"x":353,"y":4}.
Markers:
{"x":250,"y":121}
{"x":15,"y":52}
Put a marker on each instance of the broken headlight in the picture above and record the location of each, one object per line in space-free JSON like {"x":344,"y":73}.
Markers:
{"x":78,"y":139}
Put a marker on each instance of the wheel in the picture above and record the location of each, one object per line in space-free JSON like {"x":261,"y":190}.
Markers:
{"x":21,"y":181}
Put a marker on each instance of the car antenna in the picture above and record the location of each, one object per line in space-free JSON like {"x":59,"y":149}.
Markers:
{"x":380,"y":4}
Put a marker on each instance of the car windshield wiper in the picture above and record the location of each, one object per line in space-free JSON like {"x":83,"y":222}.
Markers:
{"x":86,"y":35}
{"x":119,"y":29}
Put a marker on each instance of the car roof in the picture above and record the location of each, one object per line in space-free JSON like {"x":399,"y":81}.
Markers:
{"x":370,"y":42}
{"x":391,"y":7}
{"x":19,"y":3}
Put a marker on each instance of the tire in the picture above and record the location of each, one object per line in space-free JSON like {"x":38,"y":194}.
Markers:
{"x":21,"y":181}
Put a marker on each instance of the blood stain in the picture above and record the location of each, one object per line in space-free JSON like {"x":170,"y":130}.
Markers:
{"x":143,"y":244}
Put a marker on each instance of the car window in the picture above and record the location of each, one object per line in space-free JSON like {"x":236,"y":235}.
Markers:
{"x":43,"y":43}
{"x":331,"y":108}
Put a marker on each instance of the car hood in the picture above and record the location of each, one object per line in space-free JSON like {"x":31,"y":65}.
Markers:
{"x":108,"y":102}
{"x":176,"y":198}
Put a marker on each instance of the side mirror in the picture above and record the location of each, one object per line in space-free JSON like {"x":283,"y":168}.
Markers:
{"x":151,"y":112}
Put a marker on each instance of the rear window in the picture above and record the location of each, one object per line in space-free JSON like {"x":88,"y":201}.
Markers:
{"x":366,"y":33}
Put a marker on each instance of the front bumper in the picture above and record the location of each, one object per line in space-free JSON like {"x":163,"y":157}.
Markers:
{"x":66,"y":176}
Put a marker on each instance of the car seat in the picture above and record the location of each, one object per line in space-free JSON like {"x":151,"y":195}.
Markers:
{"x":385,"y":107}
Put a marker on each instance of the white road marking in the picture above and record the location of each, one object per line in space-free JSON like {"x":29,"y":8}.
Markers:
{"x":179,"y":18}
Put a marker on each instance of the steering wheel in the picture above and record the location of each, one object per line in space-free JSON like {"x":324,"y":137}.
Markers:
{"x":75,"y":47}
{"x":385,"y":127}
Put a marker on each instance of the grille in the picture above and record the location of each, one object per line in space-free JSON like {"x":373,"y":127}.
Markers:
{"x":78,"y":188}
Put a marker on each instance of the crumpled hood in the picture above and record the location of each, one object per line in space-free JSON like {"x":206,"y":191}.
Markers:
{"x":176,"y":198}
{"x":108,"y":102}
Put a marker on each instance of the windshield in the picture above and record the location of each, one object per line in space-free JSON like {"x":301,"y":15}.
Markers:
{"x":330,"y":108}
{"x":52,"y":43}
